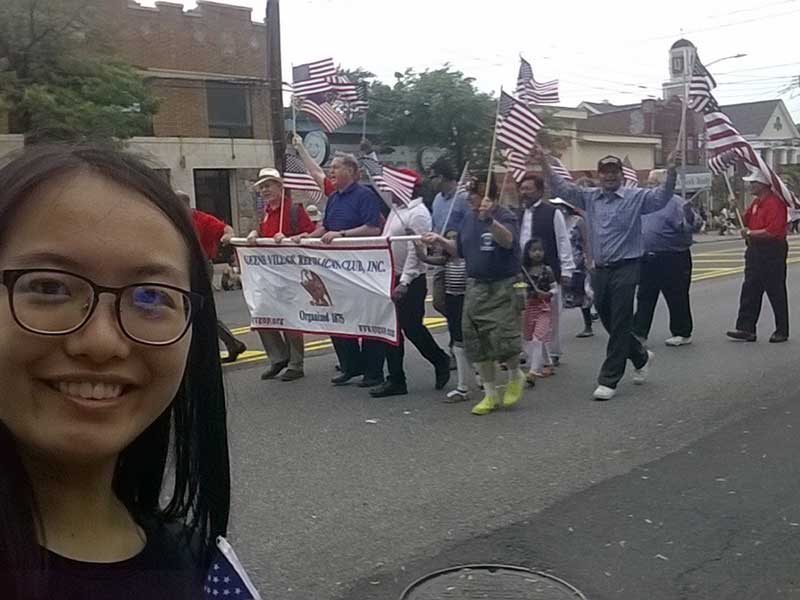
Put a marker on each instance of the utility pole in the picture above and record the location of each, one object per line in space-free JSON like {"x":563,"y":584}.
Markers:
{"x":275,"y":82}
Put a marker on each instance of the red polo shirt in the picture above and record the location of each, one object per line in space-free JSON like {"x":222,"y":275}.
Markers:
{"x":768,"y":213}
{"x":270,"y":223}
{"x":209,"y":229}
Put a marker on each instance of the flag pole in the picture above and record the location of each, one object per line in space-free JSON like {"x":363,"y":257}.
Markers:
{"x":503,"y":187}
{"x":283,"y":195}
{"x":494,"y":144}
{"x":688,"y":63}
{"x":294,"y":116}
{"x":364,"y":127}
{"x":460,"y":184}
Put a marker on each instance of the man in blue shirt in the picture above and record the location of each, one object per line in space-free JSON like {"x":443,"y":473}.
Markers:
{"x":353,"y":210}
{"x":614,"y":216}
{"x":667,"y":266}
{"x":489,"y":243}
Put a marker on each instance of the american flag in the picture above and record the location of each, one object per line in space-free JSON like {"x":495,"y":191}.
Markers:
{"x":725,"y":144}
{"x":296,"y":177}
{"x":226,"y":576}
{"x":629,"y":174}
{"x":516,"y":163}
{"x":700,"y":86}
{"x":558,"y":167}
{"x":353,"y":94}
{"x":517,"y":124}
{"x":530,"y":90}
{"x":327,"y":114}
{"x":361,"y":103}
{"x":389,"y":179}
{"x":313,"y":78}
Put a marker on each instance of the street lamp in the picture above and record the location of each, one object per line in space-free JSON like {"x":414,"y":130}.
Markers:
{"x":713,"y":62}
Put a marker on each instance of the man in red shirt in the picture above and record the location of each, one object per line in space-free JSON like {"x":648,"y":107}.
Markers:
{"x":765,"y":262}
{"x":211,"y":232}
{"x":282,"y":219}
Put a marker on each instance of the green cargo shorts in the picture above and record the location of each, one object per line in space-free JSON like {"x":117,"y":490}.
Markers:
{"x":492,"y":320}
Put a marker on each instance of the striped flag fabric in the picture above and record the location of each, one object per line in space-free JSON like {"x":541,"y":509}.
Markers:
{"x":361,"y":103}
{"x":516,"y":163}
{"x":629,"y":174}
{"x":389,"y":179}
{"x":296,"y":177}
{"x":330,"y":117}
{"x":558,"y":167}
{"x":517,"y":124}
{"x":700,"y":86}
{"x":725,"y":144}
{"x":530,"y":90}
{"x":313,"y":78}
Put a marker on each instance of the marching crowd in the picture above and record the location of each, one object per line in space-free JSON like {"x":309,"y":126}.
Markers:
{"x":503,"y":276}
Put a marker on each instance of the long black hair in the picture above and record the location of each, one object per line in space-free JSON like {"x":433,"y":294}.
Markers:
{"x":192,"y":430}
{"x":526,"y":251}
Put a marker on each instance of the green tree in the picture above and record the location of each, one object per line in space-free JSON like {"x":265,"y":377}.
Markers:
{"x":59,"y":77}
{"x":440,"y":107}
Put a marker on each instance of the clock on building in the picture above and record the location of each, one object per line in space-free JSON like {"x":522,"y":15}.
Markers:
{"x":318,"y":146}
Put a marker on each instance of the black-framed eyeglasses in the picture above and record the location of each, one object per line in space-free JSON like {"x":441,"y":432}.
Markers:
{"x":55,"y":302}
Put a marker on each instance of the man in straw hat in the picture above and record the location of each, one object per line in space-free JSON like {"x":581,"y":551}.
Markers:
{"x":282,"y":218}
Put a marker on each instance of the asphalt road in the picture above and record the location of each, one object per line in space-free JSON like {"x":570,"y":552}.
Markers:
{"x":687,"y":487}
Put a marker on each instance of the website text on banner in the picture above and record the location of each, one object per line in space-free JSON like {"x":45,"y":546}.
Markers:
{"x":330,"y":290}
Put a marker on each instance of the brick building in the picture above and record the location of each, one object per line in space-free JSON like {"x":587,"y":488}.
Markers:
{"x":207,"y":66}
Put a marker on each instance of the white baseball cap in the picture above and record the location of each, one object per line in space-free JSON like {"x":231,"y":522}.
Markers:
{"x":267,"y":174}
{"x":757,"y":175}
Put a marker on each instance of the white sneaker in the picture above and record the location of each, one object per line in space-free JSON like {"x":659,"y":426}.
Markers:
{"x":678,"y":341}
{"x":640,"y":375}
{"x":604,"y":393}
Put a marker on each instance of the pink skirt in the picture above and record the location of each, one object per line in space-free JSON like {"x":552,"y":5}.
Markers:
{"x":537,"y":322}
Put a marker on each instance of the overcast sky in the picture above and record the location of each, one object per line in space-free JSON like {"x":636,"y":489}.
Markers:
{"x":616,"y":50}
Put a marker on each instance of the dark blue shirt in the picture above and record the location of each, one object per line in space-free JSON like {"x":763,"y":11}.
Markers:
{"x":485,"y":258}
{"x":352,"y":207}
{"x":670,"y":229}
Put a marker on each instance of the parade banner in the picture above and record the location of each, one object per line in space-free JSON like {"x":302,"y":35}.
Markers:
{"x":322,"y":289}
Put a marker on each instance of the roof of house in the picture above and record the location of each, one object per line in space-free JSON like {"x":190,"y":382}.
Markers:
{"x":751,"y":118}
{"x":605,"y":107}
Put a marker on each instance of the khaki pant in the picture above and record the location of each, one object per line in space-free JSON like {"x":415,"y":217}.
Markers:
{"x":492,"y":320}
{"x":283,"y":346}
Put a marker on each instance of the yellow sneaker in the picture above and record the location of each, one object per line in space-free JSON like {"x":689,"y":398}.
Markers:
{"x":513,"y":391}
{"x":485,"y":406}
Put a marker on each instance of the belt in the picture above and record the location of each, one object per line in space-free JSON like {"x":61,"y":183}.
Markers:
{"x":617,"y":264}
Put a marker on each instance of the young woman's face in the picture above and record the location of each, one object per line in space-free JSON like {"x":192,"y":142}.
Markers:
{"x":90,"y":226}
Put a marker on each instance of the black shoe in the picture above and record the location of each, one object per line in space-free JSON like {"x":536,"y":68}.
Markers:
{"x":344,"y":378}
{"x":556,"y":360}
{"x":778,"y":338}
{"x":387,"y":389}
{"x":274,"y":370}
{"x":442,"y":375}
{"x":743,"y":336}
{"x":370,"y":382}
{"x":292,"y":375}
{"x":234,"y":354}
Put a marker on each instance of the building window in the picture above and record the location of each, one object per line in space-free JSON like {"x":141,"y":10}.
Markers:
{"x":229,"y":112}
{"x":677,"y":65}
